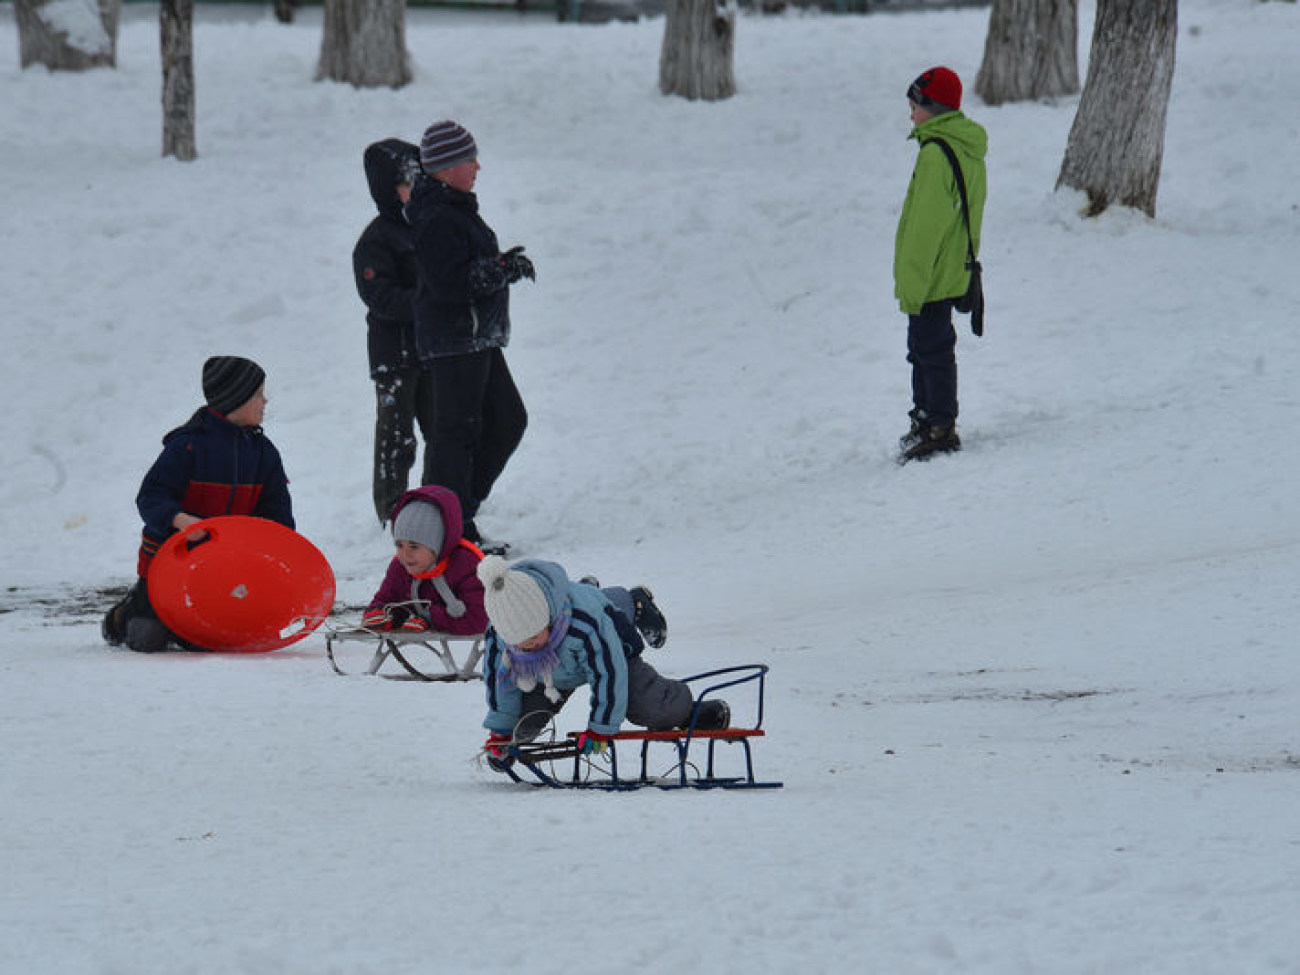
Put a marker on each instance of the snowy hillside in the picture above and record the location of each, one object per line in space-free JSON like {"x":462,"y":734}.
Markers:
{"x":1035,"y":705}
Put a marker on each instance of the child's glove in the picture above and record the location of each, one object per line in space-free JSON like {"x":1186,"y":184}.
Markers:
{"x":495,"y":750}
{"x":414,"y":624}
{"x":488,"y":275}
{"x":593,"y":742}
{"x":375,"y":619}
{"x":517,"y":265}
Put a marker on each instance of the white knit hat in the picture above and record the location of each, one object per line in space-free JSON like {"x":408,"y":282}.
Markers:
{"x":514,"y":601}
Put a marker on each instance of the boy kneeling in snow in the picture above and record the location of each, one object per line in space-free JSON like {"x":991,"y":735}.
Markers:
{"x":219,"y":463}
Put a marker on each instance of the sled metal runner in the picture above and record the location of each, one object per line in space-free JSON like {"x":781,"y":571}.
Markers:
{"x":535,"y":763}
{"x":400,"y":647}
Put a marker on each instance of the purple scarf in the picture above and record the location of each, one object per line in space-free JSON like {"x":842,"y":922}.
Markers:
{"x":535,"y":665}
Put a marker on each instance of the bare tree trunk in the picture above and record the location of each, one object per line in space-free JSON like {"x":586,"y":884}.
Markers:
{"x":284,"y":11}
{"x":176,"y":20}
{"x":68,"y":35}
{"x":1117,"y":141}
{"x":698,"y":55}
{"x":364,"y":43}
{"x":1031,"y":51}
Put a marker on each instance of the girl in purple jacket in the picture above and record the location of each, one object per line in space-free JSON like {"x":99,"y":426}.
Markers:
{"x":432,"y":582}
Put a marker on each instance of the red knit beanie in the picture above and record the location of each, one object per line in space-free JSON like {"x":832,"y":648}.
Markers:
{"x":937,"y":88}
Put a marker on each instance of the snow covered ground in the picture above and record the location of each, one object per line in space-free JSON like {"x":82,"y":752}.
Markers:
{"x":1035,"y":706}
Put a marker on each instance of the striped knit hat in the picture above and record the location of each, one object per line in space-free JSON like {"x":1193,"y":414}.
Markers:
{"x":229,"y":382}
{"x":446,"y":144}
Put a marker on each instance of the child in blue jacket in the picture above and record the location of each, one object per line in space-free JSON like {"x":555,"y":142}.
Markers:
{"x":548,"y":637}
{"x":218,"y":463}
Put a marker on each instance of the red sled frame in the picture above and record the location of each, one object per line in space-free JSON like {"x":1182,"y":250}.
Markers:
{"x":586,"y":773}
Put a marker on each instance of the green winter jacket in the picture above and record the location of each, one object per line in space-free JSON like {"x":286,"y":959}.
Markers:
{"x":930,"y":247}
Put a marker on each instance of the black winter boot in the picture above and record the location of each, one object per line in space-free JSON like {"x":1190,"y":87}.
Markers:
{"x":489,"y":546}
{"x":934,"y":440}
{"x":648,"y":617}
{"x":712,"y":715}
{"x":915,"y":432}
{"x":113,"y":628}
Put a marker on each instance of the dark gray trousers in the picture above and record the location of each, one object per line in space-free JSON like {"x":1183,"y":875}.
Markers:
{"x":653,"y":701}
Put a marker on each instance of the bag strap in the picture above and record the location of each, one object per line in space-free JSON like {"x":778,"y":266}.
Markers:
{"x":961,"y":189}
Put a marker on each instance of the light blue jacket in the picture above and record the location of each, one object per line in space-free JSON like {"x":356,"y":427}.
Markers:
{"x":592,"y":653}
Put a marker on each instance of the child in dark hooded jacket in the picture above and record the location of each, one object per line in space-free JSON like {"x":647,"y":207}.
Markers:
{"x":383,"y":263}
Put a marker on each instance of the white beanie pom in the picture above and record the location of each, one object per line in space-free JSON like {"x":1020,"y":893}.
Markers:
{"x":492,"y":571}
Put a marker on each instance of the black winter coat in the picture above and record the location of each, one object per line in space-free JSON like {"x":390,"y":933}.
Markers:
{"x":383,"y":263}
{"x":458,"y":309}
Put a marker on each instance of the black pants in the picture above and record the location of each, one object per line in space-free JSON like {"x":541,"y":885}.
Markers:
{"x":136,"y":623}
{"x":478,"y":421}
{"x":932,"y":351}
{"x":404,"y":397}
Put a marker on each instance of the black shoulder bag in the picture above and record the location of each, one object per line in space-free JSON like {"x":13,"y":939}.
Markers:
{"x":972,"y":302}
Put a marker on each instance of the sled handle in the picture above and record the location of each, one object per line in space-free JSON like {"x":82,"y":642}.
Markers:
{"x":181,"y":552}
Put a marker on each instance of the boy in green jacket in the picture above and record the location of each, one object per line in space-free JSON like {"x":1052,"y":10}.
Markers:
{"x":930,"y":256}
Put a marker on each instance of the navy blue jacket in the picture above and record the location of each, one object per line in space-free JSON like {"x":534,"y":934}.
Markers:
{"x":456,"y":310}
{"x":209,"y":467}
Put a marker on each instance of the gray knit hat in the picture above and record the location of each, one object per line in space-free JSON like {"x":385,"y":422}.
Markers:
{"x":514,"y":601}
{"x":229,"y":382}
{"x":420,"y":521}
{"x":446,"y":144}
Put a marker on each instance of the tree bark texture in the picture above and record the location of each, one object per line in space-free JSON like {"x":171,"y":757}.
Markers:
{"x":698,"y":55}
{"x":176,"y":20}
{"x":1031,"y":51}
{"x":67,"y":35}
{"x":1117,"y":141}
{"x":364,"y":43}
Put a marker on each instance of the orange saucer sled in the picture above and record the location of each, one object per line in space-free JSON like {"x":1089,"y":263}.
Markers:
{"x":248,"y":586}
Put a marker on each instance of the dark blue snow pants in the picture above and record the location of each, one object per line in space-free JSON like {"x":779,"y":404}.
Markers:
{"x":932,"y":351}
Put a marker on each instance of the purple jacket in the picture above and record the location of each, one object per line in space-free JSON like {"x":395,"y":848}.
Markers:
{"x":457,"y":571}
